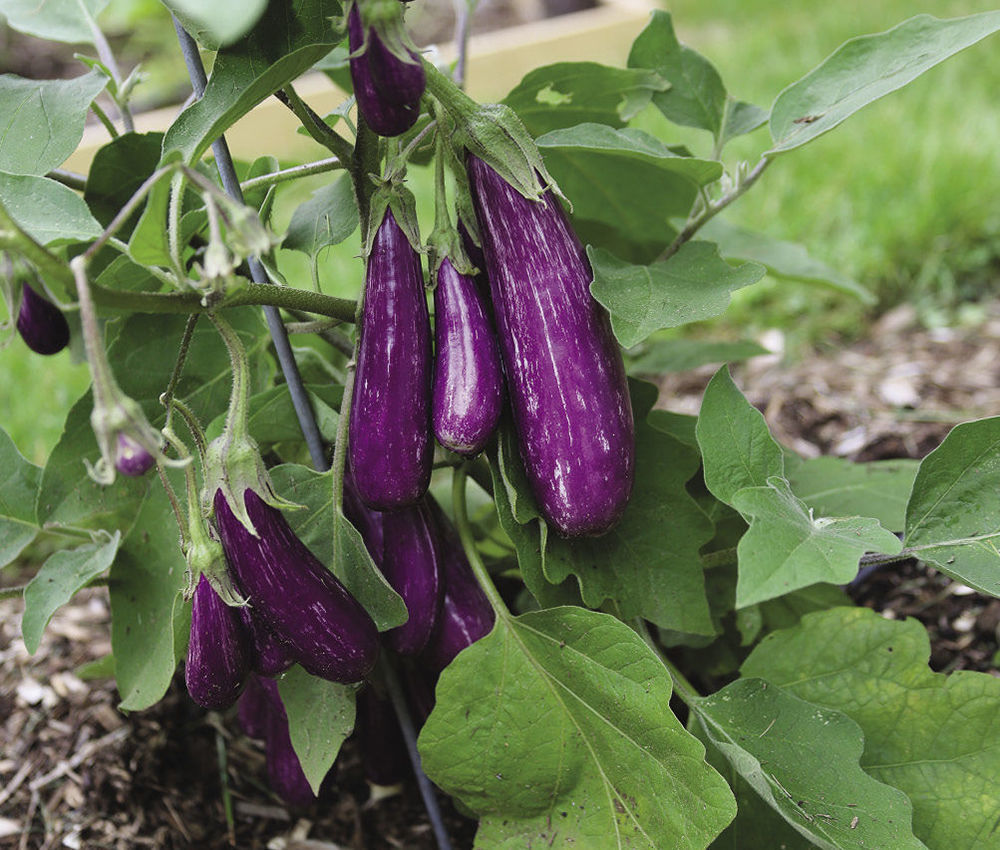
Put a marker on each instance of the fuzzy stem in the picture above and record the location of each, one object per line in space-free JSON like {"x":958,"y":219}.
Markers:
{"x":315,"y":126}
{"x":108,"y":59}
{"x":237,"y":417}
{"x":469,"y":545}
{"x":102,"y":379}
{"x":102,"y":116}
{"x":319,"y":167}
{"x":69,"y":179}
{"x":175,"y":375}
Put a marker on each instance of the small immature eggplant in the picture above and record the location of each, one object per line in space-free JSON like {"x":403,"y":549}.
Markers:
{"x":468,"y":381}
{"x":218,"y":656}
{"x":41,"y":324}
{"x":411,"y":564}
{"x":391,"y":448}
{"x":268,"y":655}
{"x":131,"y":459}
{"x":284,"y":771}
{"x":295,"y":596}
{"x":388,"y":88}
{"x":564,"y":369}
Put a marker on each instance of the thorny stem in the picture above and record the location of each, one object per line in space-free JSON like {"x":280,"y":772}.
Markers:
{"x":175,"y":505}
{"x":194,"y":426}
{"x":315,"y":126}
{"x":319,"y":167}
{"x":175,"y":375}
{"x":237,"y":424}
{"x":469,"y":544}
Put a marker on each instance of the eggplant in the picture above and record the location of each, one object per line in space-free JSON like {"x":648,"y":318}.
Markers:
{"x":382,"y":746}
{"x":411,"y":564}
{"x":131,"y":459}
{"x":269,"y":656}
{"x":284,"y":771}
{"x":218,"y":655}
{"x":387,"y":87}
{"x":294,"y":595}
{"x":253,"y":709}
{"x":565,"y":373}
{"x":391,"y":448}
{"x":364,"y":519}
{"x":41,"y":324}
{"x":468,"y":381}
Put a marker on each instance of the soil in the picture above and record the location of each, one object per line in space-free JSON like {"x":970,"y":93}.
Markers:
{"x":75,"y":772}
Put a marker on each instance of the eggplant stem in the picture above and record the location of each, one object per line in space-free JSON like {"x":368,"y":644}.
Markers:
{"x":175,"y":375}
{"x":294,"y":173}
{"x":469,"y":544}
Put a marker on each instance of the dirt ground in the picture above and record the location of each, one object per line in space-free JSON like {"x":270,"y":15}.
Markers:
{"x":76,"y":773}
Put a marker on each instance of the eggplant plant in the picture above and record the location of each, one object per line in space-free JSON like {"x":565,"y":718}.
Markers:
{"x":599,"y":624}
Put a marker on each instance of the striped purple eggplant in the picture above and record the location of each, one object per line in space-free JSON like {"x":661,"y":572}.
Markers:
{"x":564,"y":369}
{"x":41,"y":324}
{"x":253,"y":709}
{"x":284,"y":771}
{"x":294,"y":595}
{"x":383,"y":750}
{"x":388,"y":88}
{"x":411,"y":564}
{"x":269,"y":656}
{"x":131,"y":459}
{"x":218,"y":655}
{"x":468,"y":380}
{"x":391,"y":448}
{"x":364,"y":519}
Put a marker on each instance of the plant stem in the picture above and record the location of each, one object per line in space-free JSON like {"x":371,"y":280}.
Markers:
{"x":194,"y":426}
{"x":294,"y":173}
{"x":102,"y":116}
{"x":340,"y":447}
{"x":315,"y":126}
{"x":175,"y":375}
{"x":682,"y":687}
{"x":68,"y":178}
{"x":237,"y":417}
{"x":463,"y":16}
{"x":16,"y":591}
{"x":108,"y":58}
{"x":469,"y":544}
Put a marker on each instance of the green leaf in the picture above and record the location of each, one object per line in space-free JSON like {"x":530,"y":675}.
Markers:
{"x":70,"y":21}
{"x":555,"y":729}
{"x":339,"y":545}
{"x":328,"y":218}
{"x":59,"y":579}
{"x":150,"y":620}
{"x":692,"y":285}
{"x":148,"y":244}
{"x":283,"y":45}
{"x":737,"y":448}
{"x":953,"y":517}
{"x":680,"y":426}
{"x":44,"y":120}
{"x":787,"y":260}
{"x":787,"y":548}
{"x":935,"y":737}
{"x":644,"y":183}
{"x":217,"y":24}
{"x":49,"y":212}
{"x":19,"y":482}
{"x":683,"y":355}
{"x":14,"y":537}
{"x":696,"y":97}
{"x":739,"y":119}
{"x":833,"y":486}
{"x":568,"y":93}
{"x":118,"y":170}
{"x":273,"y":418}
{"x":866,"y":68}
{"x":320,"y":717}
{"x":803,"y":762}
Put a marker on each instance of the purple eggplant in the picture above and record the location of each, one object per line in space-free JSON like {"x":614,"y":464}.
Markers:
{"x":391,"y":448}
{"x":253,"y":709}
{"x":411,"y":564}
{"x":364,"y":519}
{"x":468,"y":381}
{"x":564,"y":369}
{"x":41,"y":324}
{"x":218,"y":656}
{"x":295,"y":596}
{"x":388,"y":89}
{"x":131,"y":459}
{"x":466,"y":614}
{"x":382,"y":746}
{"x":269,"y":656}
{"x":284,"y":771}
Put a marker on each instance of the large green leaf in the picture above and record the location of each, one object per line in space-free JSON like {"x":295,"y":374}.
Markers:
{"x":150,"y":620}
{"x":953,"y":517}
{"x":935,"y":737}
{"x":556,"y":730}
{"x":273,"y":418}
{"x":568,"y":93}
{"x":803,"y":761}
{"x":118,"y":170}
{"x":787,"y":548}
{"x":19,"y":482}
{"x":60,"y":577}
{"x":737,"y":448}
{"x":682,"y":355}
{"x":328,"y":218}
{"x":340,"y":547}
{"x":643,"y":182}
{"x":284,"y":44}
{"x":43,"y":120}
{"x":866,"y":68}
{"x":218,"y":23}
{"x":70,"y":21}
{"x":692,"y":285}
{"x":320,"y":717}
{"x":47,"y":211}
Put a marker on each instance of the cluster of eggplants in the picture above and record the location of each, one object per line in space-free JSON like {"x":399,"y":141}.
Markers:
{"x":388,"y":88}
{"x":41,"y":324}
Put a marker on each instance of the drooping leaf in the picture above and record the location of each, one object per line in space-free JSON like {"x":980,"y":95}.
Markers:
{"x":787,"y":548}
{"x":338,"y":546}
{"x":46,"y":210}
{"x":118,"y":170}
{"x":217,"y":24}
{"x":787,"y":260}
{"x":953,"y":516}
{"x":150,"y":621}
{"x":933,"y":736}
{"x":802,"y":759}
{"x":692,"y":285}
{"x":328,"y":218}
{"x":43,"y":120}
{"x":320,"y":717}
{"x":866,"y":68}
{"x":555,"y":729}
{"x":70,"y":21}
{"x":284,"y":44}
{"x":683,"y":355}
{"x":59,"y":579}
{"x":833,"y":486}
{"x":737,"y":448}
{"x":568,"y":93}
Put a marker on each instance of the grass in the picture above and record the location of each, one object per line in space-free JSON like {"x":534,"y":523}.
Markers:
{"x":902,"y":196}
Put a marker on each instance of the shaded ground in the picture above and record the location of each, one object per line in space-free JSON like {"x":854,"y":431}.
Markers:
{"x":76,"y":773}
